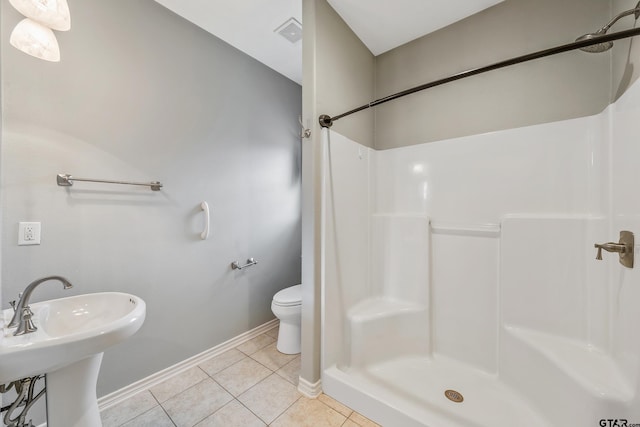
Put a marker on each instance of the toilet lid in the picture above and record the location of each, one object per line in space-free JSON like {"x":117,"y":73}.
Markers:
{"x":289,"y":296}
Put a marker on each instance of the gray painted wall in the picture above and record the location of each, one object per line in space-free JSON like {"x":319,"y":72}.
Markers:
{"x":564,"y":86}
{"x":338,"y":73}
{"x":345,"y":74}
{"x":142,"y":94}
{"x":626,"y":53}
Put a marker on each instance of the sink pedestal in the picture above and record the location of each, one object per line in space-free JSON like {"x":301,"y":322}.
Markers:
{"x":71,"y":394}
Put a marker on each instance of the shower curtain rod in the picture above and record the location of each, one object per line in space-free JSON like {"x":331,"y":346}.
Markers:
{"x":327,"y":121}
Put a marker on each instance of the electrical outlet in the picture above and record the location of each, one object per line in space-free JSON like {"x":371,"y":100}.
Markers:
{"x":28,"y":233}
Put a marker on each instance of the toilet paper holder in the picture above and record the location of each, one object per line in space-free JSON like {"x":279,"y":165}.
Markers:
{"x":250,"y":262}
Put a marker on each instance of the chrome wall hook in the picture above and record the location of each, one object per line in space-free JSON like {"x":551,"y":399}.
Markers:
{"x":306,"y":133}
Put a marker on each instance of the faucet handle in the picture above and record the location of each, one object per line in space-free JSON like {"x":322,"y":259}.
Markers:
{"x":599,"y":254}
{"x":13,"y":303}
{"x":26,"y":326}
{"x":27,"y":313}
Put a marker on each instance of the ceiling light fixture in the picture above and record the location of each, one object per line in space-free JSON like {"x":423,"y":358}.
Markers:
{"x":33,"y":35}
{"x":36,"y":40}
{"x":51,"y":13}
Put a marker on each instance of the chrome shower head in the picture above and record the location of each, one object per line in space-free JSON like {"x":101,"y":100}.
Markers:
{"x":595,"y":48}
{"x":603,"y":47}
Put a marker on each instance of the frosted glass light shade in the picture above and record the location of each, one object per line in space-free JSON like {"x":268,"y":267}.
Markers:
{"x":36,"y":40}
{"x":51,"y":13}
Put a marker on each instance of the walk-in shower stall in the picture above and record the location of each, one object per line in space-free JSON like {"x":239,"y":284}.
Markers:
{"x":460,"y":281}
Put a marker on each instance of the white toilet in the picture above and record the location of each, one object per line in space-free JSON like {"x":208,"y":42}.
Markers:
{"x":287,"y":306}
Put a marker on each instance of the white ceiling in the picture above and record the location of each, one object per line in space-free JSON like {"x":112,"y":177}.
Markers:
{"x":386,"y":24}
{"x":382,"y":25}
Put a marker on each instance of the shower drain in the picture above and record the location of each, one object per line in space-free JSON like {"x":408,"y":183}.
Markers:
{"x":453,"y":396}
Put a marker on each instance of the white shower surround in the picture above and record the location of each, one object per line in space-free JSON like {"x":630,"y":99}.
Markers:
{"x":468,"y":264}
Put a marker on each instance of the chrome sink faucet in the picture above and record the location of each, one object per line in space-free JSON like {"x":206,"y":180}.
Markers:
{"x":22,"y":312}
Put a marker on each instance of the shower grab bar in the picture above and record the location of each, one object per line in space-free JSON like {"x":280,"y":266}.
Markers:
{"x":207,"y":219}
{"x":66,"y":180}
{"x":480,"y":230}
{"x":236,"y":266}
{"x":327,"y":121}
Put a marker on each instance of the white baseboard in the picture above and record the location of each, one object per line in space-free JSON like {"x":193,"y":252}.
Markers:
{"x":127,"y":392}
{"x":310,"y":390}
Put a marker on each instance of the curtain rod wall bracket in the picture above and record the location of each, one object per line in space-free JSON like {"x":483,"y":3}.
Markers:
{"x":325,"y":121}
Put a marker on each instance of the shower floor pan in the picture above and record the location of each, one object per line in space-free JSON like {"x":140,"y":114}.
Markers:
{"x":410,"y":392}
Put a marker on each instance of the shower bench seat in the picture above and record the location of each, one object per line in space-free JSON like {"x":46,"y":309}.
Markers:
{"x":375,"y":308}
{"x":596,"y":371}
{"x":384,"y":328}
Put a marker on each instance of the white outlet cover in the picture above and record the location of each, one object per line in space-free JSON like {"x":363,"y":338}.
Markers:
{"x":28,"y":233}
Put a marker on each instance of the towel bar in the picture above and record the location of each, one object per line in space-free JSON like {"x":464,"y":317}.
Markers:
{"x":66,"y":180}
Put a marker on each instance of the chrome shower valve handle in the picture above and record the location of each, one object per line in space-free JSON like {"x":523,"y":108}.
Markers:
{"x":609,"y":247}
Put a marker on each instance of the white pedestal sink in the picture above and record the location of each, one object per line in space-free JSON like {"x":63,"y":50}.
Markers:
{"x":72,"y":334}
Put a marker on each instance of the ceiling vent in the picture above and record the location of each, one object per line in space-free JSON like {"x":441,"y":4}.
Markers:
{"x":290,"y":30}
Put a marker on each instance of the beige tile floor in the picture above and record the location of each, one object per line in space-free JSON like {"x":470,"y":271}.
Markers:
{"x":250,"y":385}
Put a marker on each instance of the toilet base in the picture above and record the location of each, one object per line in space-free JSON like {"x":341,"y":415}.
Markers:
{"x":289,"y":338}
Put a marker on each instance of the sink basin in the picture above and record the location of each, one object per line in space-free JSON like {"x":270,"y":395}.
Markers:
{"x":69,"y":329}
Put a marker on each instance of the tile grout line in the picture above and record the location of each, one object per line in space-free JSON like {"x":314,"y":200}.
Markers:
{"x":249,"y":409}
{"x":250,"y":356}
{"x":183,"y":391}
{"x":266,"y":367}
{"x":257,"y":361}
{"x":163,"y":410}
{"x":230,"y":393}
{"x":256,"y":384}
{"x":287,"y":408}
{"x":235,"y":399}
{"x":222,"y":387}
{"x":123,"y":394}
{"x":158,"y":404}
{"x":233,"y":364}
{"x":168,"y":416}
{"x":337,"y":412}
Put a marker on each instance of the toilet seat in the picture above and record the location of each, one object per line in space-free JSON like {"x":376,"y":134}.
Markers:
{"x":289,"y":297}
